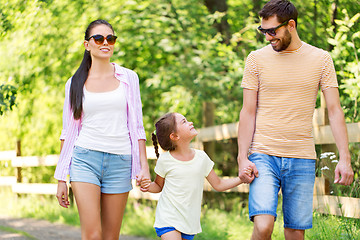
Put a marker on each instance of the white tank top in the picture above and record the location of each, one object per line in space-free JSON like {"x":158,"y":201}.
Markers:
{"x":104,"y":123}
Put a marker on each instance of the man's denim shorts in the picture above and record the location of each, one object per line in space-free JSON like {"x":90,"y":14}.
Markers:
{"x":111,"y":172}
{"x":163,"y":230}
{"x":295,"y":177}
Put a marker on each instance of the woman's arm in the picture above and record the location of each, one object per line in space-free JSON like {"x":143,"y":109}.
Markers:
{"x":62,"y":190}
{"x":144,"y":172}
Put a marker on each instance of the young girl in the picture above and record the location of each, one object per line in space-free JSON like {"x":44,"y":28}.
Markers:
{"x":103,"y":138}
{"x":180,"y":176}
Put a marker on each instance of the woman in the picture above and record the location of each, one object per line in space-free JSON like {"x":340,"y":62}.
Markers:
{"x":103,"y":138}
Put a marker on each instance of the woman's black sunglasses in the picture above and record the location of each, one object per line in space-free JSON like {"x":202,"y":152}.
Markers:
{"x":99,"y":39}
{"x":272,"y":31}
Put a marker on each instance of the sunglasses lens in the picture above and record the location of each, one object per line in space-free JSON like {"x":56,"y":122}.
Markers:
{"x":99,"y":39}
{"x":271,"y":32}
{"x":111,"y":39}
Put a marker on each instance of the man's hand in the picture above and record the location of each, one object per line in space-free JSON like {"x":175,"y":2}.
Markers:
{"x":344,"y":174}
{"x":244,"y":165}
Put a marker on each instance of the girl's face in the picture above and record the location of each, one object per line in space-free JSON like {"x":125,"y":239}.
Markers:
{"x":184,"y":129}
{"x":103,"y":50}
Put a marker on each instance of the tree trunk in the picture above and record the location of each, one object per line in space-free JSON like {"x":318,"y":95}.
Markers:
{"x":315,"y":37}
{"x":256,"y":9}
{"x":208,"y":120}
{"x":223,"y":26}
{"x":333,"y":18}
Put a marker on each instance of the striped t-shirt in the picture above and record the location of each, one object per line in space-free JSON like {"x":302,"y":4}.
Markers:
{"x":287,"y":83}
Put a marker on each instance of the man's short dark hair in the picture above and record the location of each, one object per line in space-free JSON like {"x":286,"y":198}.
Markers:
{"x":283,"y":9}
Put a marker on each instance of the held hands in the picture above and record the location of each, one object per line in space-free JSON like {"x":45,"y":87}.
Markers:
{"x":247,"y":171}
{"x":145,"y":184}
{"x":62,"y":194}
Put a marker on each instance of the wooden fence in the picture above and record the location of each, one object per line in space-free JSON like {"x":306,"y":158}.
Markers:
{"x":323,"y":202}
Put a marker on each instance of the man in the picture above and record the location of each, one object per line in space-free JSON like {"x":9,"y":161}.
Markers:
{"x":281,"y":82}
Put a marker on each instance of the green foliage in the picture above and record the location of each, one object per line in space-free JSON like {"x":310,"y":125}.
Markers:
{"x":346,"y":57}
{"x":140,"y":214}
{"x":7,"y":97}
{"x":181,"y":59}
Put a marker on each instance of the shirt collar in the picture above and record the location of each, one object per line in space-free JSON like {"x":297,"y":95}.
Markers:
{"x":120,"y":73}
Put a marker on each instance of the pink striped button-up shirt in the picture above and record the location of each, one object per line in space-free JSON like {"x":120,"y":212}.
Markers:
{"x":72,"y":127}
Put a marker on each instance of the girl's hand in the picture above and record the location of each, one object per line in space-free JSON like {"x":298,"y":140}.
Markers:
{"x":248,"y":171}
{"x":145,"y":185}
{"x":62,"y":194}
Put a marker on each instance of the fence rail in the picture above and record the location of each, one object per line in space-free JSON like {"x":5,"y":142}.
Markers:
{"x":323,"y":203}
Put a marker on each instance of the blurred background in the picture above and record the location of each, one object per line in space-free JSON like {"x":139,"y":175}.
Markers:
{"x":189,"y":56}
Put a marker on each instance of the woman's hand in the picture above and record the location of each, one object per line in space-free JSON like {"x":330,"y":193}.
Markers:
{"x":62,"y":194}
{"x":145,"y":185}
{"x":144,"y":174}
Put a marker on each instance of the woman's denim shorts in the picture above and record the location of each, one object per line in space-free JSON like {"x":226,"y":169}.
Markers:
{"x":111,"y":172}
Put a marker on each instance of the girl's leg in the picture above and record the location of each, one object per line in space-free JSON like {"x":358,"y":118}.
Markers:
{"x":173,"y":235}
{"x":87,"y":198}
{"x":112,"y":212}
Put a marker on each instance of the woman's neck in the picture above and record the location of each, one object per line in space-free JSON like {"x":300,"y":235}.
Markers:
{"x":101,"y":68}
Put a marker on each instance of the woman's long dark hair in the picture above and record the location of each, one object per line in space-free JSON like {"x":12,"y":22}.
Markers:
{"x":81,"y":74}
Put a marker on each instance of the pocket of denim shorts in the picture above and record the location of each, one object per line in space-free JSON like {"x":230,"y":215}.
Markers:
{"x":80,"y":150}
{"x":126,"y":157}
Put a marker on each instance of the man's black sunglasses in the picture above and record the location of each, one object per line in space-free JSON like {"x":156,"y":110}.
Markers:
{"x":272,"y":31}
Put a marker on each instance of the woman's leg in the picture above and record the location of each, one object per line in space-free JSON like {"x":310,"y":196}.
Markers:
{"x":87,"y":198}
{"x":112,"y":212}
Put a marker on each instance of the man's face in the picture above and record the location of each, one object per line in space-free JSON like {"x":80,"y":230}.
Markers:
{"x":282,"y":39}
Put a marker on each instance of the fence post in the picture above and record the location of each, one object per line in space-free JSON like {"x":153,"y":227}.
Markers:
{"x":208,"y":120}
{"x":326,"y":147}
{"x":18,"y":154}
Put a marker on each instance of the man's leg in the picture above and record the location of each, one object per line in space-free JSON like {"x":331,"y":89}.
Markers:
{"x":294,"y":234}
{"x":263,"y":195}
{"x":263,"y":227}
{"x":297,"y":188}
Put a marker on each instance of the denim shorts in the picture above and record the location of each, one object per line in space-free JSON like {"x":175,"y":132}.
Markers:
{"x":295,"y":177}
{"x":163,"y":230}
{"x":111,"y":172}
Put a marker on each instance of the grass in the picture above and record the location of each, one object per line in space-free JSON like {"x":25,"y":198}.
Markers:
{"x":12,"y":230}
{"x":139,"y":218}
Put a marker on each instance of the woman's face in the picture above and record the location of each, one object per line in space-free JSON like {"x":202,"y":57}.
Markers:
{"x":103,"y":50}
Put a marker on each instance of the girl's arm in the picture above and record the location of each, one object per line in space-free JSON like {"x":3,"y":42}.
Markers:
{"x":224,"y":184}
{"x":153,"y":187}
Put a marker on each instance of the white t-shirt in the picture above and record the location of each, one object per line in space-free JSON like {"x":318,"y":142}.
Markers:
{"x":179,"y":205}
{"x":104,"y":125}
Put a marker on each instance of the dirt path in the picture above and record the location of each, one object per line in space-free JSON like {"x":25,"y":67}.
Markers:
{"x":43,"y":230}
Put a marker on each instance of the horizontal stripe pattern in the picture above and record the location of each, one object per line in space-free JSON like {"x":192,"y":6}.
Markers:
{"x":287,"y":83}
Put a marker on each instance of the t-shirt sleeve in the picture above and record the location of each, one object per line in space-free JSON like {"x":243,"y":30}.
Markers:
{"x":208,"y":164}
{"x":160,"y":167}
{"x":251,"y":74}
{"x":328,"y":74}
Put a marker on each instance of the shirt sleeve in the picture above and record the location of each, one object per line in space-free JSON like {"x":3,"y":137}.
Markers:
{"x":328,"y":74}
{"x":66,"y":110}
{"x":138,"y":108}
{"x":159,"y":167}
{"x":251,"y":74}
{"x":208,"y":164}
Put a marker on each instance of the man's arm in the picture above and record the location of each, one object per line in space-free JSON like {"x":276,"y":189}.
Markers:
{"x":339,"y":130}
{"x":245,"y":133}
